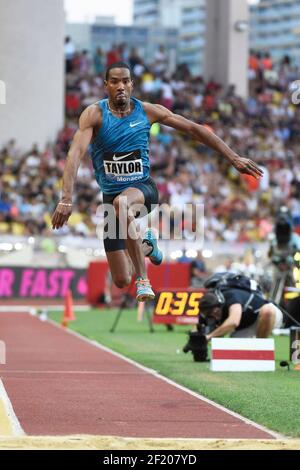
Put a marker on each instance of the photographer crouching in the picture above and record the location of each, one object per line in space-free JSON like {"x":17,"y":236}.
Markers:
{"x":237,"y":307}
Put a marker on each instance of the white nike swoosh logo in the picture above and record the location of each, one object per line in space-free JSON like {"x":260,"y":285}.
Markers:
{"x":133,"y":124}
{"x":122,"y":156}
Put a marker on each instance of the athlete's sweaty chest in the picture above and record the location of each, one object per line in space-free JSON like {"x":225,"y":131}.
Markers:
{"x":124,"y":134}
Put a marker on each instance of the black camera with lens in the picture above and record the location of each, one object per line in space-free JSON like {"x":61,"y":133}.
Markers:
{"x":282,"y":250}
{"x":197,"y":344}
{"x":209,"y":320}
{"x":283,"y":228}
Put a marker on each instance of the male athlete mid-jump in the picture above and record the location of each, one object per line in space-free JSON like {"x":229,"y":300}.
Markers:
{"x":118,"y":129}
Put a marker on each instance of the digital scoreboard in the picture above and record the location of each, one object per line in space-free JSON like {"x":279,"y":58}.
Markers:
{"x":179,"y":307}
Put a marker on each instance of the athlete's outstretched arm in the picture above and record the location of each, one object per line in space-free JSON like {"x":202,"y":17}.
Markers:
{"x":158,"y":113}
{"x":82,"y":138}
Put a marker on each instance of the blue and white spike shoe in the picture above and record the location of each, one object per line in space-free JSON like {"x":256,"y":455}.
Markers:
{"x":144,"y":290}
{"x":156,"y":255}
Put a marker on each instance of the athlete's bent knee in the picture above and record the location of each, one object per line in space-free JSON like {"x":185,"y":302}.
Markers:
{"x":120,"y":205}
{"x":122,"y":281}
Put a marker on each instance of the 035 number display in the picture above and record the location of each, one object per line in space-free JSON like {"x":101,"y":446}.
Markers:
{"x":177,"y":307}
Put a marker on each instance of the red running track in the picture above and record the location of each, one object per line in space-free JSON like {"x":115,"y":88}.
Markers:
{"x":59,"y":384}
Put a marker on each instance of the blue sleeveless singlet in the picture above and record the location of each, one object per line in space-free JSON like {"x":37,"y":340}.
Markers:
{"x":120,"y":151}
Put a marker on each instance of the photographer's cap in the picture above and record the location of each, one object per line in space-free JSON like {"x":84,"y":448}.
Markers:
{"x":207,"y":302}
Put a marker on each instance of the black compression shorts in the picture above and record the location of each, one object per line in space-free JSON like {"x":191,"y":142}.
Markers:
{"x":150,"y":192}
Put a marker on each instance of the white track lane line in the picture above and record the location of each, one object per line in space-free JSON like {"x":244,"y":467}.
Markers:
{"x":33,"y":309}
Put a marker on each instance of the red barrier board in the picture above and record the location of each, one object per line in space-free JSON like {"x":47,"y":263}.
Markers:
{"x":165,"y":276}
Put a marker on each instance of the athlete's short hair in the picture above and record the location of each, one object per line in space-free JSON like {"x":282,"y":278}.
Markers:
{"x":117,"y":65}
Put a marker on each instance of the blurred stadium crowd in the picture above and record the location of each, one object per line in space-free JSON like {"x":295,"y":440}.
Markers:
{"x":265,"y":127}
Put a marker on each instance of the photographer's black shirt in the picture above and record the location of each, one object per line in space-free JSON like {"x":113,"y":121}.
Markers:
{"x":239,"y":296}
